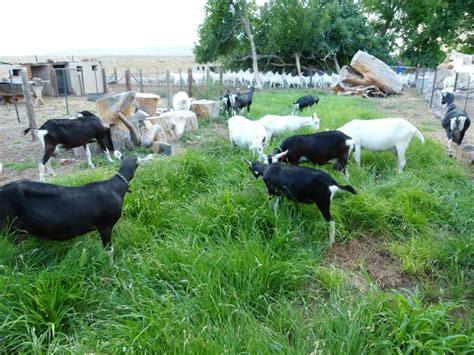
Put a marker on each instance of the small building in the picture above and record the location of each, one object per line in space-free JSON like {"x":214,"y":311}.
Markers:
{"x":76,"y":78}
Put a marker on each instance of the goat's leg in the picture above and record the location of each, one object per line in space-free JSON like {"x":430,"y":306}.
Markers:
{"x":276,"y":205}
{"x":49,"y":150}
{"x":401,"y":148}
{"x":50,"y":168}
{"x":343,"y":162}
{"x":88,"y":156}
{"x":450,"y":152}
{"x":324,"y":207}
{"x":106,"y":236}
{"x":357,"y":154}
{"x":105,"y":150}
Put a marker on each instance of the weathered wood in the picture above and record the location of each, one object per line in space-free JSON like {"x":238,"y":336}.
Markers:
{"x":377,"y":72}
{"x":190,"y":82}
{"x":350,"y":76}
{"x":205,"y":108}
{"x":28,"y":100}
{"x":169,"y":99}
{"x":128,"y":80}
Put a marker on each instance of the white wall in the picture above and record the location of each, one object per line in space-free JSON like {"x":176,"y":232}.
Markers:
{"x":89,"y":75}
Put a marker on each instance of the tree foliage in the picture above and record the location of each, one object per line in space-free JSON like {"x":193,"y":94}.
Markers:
{"x":324,"y":33}
{"x":426,"y":30}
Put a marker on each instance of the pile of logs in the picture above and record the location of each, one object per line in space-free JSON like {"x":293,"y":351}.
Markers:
{"x":367,"y":76}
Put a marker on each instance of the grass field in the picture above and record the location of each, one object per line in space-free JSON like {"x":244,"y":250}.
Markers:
{"x":203,"y":266}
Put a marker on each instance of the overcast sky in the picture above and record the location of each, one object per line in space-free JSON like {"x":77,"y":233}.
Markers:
{"x":55,"y":25}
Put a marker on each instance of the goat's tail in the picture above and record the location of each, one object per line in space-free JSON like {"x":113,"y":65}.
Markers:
{"x":25,"y":131}
{"x":419,"y":136}
{"x":348,"y":188}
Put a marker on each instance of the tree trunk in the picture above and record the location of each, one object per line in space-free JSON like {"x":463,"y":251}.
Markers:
{"x":248,"y":31}
{"x":377,"y":72}
{"x":298,"y":65}
{"x":336,"y":63}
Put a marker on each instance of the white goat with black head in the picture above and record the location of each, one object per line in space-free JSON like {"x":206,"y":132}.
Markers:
{"x":455,"y":121}
{"x":382,"y":134}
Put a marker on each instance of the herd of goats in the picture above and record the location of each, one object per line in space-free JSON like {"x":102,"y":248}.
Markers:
{"x":268,"y":79}
{"x":60,"y":213}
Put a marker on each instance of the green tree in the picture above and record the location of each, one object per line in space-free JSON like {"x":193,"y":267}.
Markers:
{"x":425,"y":29}
{"x":289,"y":29}
{"x":225,"y":24}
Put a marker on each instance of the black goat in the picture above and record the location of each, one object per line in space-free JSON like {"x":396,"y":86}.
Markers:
{"x":305,"y":101}
{"x":71,"y":133}
{"x":244,"y":100}
{"x":62,"y":212}
{"x":300,"y":184}
{"x":455,"y":121}
{"x":317,"y":148}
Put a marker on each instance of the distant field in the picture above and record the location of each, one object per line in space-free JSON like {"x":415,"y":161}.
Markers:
{"x":149,"y":64}
{"x":202,"y":265}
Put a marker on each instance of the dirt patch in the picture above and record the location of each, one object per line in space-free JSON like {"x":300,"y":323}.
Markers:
{"x":368,"y":255}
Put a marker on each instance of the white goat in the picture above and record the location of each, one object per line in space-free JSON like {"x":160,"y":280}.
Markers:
{"x":382,"y":134}
{"x":278,"y":124}
{"x":181,"y":101}
{"x":247,"y":133}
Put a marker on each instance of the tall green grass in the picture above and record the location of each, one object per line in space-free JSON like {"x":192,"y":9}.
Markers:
{"x":202,"y":265}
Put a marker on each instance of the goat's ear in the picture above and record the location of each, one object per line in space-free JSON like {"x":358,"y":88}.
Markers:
{"x":118,"y":155}
{"x":280,"y":155}
{"x":246,"y":161}
{"x":143,"y":160}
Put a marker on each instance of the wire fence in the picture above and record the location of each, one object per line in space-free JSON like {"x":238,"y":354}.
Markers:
{"x":431,"y":83}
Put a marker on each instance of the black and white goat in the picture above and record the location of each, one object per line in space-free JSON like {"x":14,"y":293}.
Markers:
{"x":228,"y":103}
{"x":455,"y":121}
{"x":62,"y":212}
{"x":85,"y":128}
{"x":300,"y":184}
{"x":244,"y":100}
{"x":305,"y":101}
{"x":317,"y":148}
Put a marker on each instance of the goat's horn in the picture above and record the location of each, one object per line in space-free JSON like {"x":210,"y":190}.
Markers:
{"x":246,"y":161}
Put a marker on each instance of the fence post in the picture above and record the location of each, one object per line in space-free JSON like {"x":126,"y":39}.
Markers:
{"x":467,"y":92}
{"x":128,"y":81}
{"x":141,"y":80}
{"x":115,"y":74}
{"x":221,"y":80}
{"x":423,"y":81}
{"x":104,"y":81}
{"x":416,"y":74}
{"x":28,"y":101}
{"x":67,"y":89}
{"x":180,"y":80}
{"x":190,"y":82}
{"x":12,"y":87}
{"x":168,"y":88}
{"x":434,"y":87}
{"x":455,"y":82}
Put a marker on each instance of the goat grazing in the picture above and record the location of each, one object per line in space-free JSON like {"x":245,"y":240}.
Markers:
{"x":247,"y":133}
{"x":317,"y":148}
{"x":382,"y":134}
{"x":455,"y":121}
{"x":244,"y":100}
{"x":71,"y":133}
{"x":279,"y":124}
{"x":62,"y":212}
{"x":305,"y":101}
{"x":300,"y":184}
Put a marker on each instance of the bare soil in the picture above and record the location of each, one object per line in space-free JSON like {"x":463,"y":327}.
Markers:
{"x":367,"y":255}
